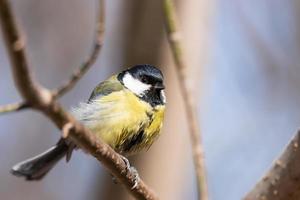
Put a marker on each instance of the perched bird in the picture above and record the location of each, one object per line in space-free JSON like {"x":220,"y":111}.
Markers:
{"x":126,"y":111}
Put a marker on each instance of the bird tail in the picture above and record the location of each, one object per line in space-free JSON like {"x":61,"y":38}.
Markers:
{"x":37,"y":167}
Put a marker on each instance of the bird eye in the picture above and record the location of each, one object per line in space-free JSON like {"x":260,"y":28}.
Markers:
{"x":144,"y":79}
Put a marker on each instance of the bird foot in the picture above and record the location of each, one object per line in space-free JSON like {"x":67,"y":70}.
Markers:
{"x":133,"y":171}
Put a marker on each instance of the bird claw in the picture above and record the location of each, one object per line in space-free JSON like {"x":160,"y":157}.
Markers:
{"x":127,"y":163}
{"x":133,"y":171}
{"x":136,"y":177}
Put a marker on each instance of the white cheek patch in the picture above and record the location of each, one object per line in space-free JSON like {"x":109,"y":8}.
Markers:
{"x":163,"y":96}
{"x":135,"y":85}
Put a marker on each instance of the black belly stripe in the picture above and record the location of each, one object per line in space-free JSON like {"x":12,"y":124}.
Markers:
{"x":133,"y":141}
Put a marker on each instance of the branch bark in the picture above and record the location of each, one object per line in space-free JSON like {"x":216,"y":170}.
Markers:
{"x":186,"y":91}
{"x":13,"y":107}
{"x":77,"y":74}
{"x":282,"y":181}
{"x":43,"y":100}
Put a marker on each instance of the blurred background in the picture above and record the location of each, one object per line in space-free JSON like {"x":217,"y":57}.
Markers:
{"x":243,"y":59}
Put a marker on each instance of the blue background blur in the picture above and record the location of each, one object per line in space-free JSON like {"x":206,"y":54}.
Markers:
{"x":246,"y":56}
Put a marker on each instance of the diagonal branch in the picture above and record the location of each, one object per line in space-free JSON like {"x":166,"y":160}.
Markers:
{"x":86,"y":65}
{"x":13,"y":107}
{"x":282,"y":181}
{"x":77,"y":74}
{"x":189,"y":103}
{"x":15,"y":42}
{"x":42,"y":100}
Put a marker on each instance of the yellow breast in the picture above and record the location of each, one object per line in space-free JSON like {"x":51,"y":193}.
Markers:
{"x":125,"y":122}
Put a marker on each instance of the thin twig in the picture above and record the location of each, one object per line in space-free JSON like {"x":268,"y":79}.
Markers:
{"x":86,"y":65}
{"x":42,"y":100}
{"x":13,"y":107}
{"x":283,"y":178}
{"x":185,"y":89}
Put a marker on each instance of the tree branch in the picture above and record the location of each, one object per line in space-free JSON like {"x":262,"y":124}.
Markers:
{"x":15,"y":42}
{"x":13,"y":107}
{"x":86,"y":65}
{"x":282,"y":181}
{"x":43,"y":100}
{"x":189,"y":103}
{"x":77,"y":74}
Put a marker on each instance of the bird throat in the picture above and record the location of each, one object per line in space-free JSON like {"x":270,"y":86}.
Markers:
{"x":153,"y":97}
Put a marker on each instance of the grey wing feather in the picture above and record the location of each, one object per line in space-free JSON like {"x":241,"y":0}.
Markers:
{"x":88,"y":113}
{"x":106,"y":87}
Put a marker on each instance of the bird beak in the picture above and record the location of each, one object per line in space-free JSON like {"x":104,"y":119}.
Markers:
{"x":159,"y":86}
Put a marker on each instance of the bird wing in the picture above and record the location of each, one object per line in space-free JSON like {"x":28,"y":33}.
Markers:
{"x":106,"y":87}
{"x":97,"y":108}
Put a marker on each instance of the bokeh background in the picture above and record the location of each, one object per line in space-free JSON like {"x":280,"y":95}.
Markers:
{"x":243,"y":59}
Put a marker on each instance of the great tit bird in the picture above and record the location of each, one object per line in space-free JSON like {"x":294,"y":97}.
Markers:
{"x":126,"y":111}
